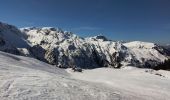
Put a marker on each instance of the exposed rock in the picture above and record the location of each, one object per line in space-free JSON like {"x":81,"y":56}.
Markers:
{"x":65,"y":49}
{"x":51,"y":56}
{"x":38,"y":52}
{"x":2,"y":42}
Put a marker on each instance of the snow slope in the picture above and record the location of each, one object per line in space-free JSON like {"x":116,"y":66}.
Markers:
{"x":149,"y":53}
{"x":23,"y":78}
{"x":27,"y":78}
{"x":13,"y":35}
{"x":141,"y":84}
{"x":11,"y":39}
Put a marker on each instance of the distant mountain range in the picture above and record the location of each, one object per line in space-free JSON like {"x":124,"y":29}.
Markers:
{"x":66,"y":49}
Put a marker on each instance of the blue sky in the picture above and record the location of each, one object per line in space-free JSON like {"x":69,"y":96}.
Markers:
{"x":145,"y":20}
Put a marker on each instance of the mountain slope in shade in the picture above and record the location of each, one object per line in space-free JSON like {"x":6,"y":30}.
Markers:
{"x":11,"y":39}
{"x":167,"y":47}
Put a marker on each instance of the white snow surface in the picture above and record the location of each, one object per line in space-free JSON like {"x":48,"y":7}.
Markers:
{"x":133,"y":83}
{"x":12,"y":35}
{"x":140,"y":44}
{"x":144,"y":51}
{"x":24,"y":78}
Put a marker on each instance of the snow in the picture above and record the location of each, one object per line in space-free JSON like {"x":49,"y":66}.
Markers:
{"x":130,"y":81}
{"x":23,"y":78}
{"x":13,"y":35}
{"x":140,"y":44}
{"x":145,"y":51}
{"x":68,"y":50}
{"x":30,"y":79}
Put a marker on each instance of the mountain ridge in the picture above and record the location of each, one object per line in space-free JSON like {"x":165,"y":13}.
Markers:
{"x":66,"y":49}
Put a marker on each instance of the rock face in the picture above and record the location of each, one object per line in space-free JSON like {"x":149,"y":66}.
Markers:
{"x":65,"y":49}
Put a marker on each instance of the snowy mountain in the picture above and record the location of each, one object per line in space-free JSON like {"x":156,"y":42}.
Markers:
{"x":147,"y":53}
{"x":11,"y":39}
{"x":65,"y":49}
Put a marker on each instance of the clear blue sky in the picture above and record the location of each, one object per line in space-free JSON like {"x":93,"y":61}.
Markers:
{"x":146,"y":20}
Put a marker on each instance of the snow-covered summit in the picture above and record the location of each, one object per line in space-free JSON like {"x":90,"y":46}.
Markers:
{"x":146,"y":53}
{"x":66,"y":49}
{"x":98,"y":38}
{"x":59,"y":30}
{"x":140,"y":44}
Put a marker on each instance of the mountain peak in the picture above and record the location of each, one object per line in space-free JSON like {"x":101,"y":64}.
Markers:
{"x":66,"y":49}
{"x":98,"y":37}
